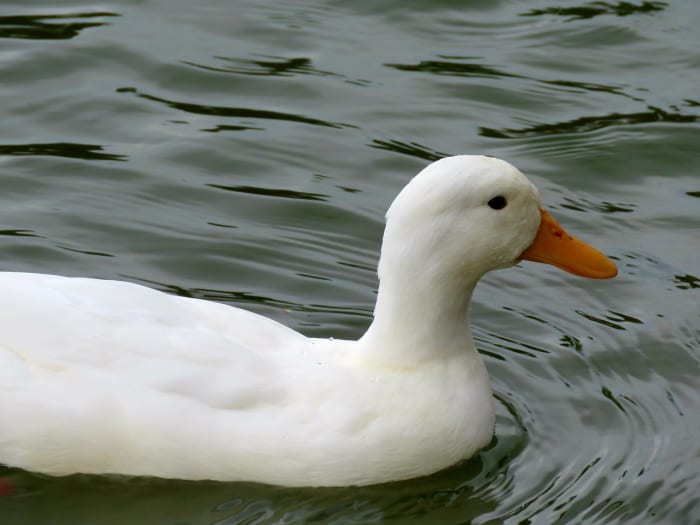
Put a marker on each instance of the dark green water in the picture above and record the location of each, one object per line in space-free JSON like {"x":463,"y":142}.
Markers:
{"x":245,"y":152}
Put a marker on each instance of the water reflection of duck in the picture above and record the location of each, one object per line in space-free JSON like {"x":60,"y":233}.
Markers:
{"x":111,"y":377}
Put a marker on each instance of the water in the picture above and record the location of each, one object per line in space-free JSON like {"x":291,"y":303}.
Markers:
{"x":246,"y":152}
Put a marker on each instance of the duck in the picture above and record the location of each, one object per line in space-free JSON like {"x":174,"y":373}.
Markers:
{"x":114,"y":378}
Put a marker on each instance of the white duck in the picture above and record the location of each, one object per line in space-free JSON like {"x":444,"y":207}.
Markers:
{"x":109,"y":377}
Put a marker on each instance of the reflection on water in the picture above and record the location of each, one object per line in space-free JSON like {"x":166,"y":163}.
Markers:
{"x":107,"y":500}
{"x":125,"y":500}
{"x":250,"y":161}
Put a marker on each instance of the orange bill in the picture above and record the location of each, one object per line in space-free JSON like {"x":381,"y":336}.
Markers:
{"x":554,"y":246}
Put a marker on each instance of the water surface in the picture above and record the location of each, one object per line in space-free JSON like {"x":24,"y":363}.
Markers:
{"x":246,"y":152}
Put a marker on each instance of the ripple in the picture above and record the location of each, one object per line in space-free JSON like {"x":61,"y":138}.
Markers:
{"x":221,"y":127}
{"x":511,"y":345}
{"x":45,"y":27}
{"x":613,"y":319}
{"x":593,"y":9}
{"x":60,"y":149}
{"x":272,"y":192}
{"x":273,"y":67}
{"x":585,"y":205}
{"x":412,"y":149}
{"x":19,"y":233}
{"x":453,"y":68}
{"x":232,"y":112}
{"x":588,"y":124}
{"x":85,"y":252}
{"x":458,"y":66}
{"x":686,"y":282}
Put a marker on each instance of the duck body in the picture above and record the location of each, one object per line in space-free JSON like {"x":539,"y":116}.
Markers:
{"x":108,"y":377}
{"x":122,"y":379}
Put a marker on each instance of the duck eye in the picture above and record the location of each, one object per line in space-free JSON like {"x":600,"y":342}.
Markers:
{"x":498,"y":203}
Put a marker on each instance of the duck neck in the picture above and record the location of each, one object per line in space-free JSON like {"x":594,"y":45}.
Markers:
{"x":418,"y":319}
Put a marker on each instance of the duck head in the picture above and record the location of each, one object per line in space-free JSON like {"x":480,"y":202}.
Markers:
{"x":467,"y":215}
